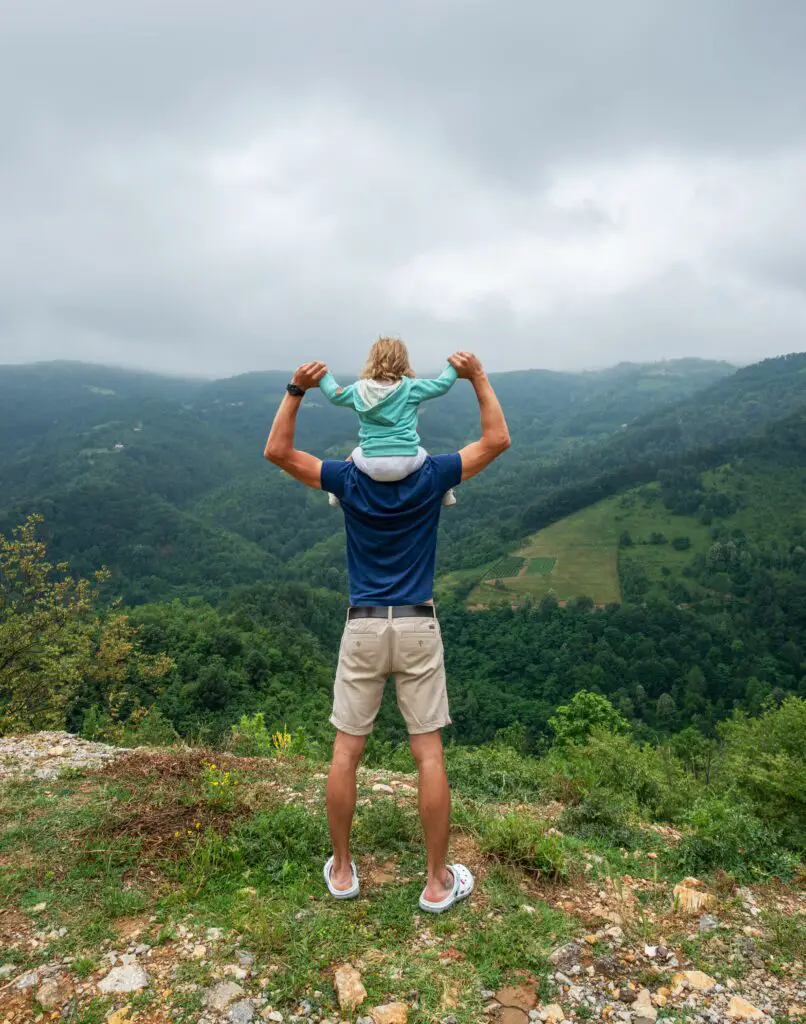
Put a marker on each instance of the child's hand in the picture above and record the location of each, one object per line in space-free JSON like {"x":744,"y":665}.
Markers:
{"x":466,"y":364}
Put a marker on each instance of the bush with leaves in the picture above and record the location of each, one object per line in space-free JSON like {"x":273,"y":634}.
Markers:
{"x":573,"y":722}
{"x":287,"y":842}
{"x":764,"y":758}
{"x":525,"y":842}
{"x":642,"y":777}
{"x":56,"y":640}
{"x":602,"y":815}
{"x":495,"y":771}
{"x":728,"y":835}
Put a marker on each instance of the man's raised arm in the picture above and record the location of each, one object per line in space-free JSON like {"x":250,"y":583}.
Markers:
{"x":494,"y":431}
{"x":280,"y":446}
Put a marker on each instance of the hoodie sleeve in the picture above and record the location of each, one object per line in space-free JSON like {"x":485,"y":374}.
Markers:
{"x":422,"y":390}
{"x":336,"y":394}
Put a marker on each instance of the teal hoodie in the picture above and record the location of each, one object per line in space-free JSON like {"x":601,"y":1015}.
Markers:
{"x":387,"y":413}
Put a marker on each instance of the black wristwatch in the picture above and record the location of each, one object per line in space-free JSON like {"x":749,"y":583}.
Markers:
{"x":295,"y":390}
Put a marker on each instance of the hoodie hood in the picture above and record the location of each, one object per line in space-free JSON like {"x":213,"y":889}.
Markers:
{"x":371,"y":396}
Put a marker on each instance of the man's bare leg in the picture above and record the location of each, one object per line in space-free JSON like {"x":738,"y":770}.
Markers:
{"x":341,"y":797}
{"x":435,"y":811}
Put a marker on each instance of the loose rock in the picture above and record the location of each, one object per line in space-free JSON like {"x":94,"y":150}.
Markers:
{"x":691,"y":900}
{"x":127,"y":978}
{"x":643,"y":1007}
{"x":391,"y":1013}
{"x":241,"y":1012}
{"x":697,"y":980}
{"x":53,"y":992}
{"x":221,"y":995}
{"x":566,"y":956}
{"x":349,"y":990}
{"x":740,"y":1009}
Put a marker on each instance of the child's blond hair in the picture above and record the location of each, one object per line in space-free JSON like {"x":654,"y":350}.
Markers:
{"x":388,"y":360}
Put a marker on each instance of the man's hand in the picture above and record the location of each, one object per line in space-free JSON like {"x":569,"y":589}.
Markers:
{"x":308,"y":375}
{"x":467,"y":365}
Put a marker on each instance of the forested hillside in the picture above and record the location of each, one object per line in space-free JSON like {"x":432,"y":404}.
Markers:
{"x":162,"y":478}
{"x":692,"y":529}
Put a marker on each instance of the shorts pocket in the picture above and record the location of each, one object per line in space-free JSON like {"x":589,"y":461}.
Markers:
{"x":419,"y":647}
{"x":363,"y":652}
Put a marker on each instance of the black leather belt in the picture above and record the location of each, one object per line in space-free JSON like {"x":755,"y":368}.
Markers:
{"x":399,"y":611}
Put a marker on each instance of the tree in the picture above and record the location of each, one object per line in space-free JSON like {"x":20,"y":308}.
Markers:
{"x":573,"y":722}
{"x":54,"y":639}
{"x":666,"y":711}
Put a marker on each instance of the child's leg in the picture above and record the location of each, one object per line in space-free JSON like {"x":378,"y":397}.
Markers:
{"x":388,"y":468}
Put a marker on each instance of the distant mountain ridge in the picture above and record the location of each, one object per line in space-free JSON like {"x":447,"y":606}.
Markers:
{"x":162,"y":478}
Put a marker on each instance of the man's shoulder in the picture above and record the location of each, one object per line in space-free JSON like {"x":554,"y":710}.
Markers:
{"x":447,"y":467}
{"x":334,"y":474}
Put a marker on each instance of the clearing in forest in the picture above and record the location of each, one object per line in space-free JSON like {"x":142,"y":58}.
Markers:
{"x":576,"y":556}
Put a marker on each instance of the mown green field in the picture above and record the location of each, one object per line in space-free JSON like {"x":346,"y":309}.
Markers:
{"x":579,"y":556}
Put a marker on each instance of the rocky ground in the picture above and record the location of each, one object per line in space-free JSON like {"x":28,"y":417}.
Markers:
{"x":44,"y":755}
{"x":637,"y":948}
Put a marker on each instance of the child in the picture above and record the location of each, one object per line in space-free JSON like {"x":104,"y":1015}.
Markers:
{"x":386,"y":399}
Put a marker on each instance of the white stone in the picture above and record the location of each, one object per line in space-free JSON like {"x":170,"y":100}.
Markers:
{"x":221,"y":995}
{"x":127,"y":978}
{"x":642,"y":1007}
{"x":241,"y":1012}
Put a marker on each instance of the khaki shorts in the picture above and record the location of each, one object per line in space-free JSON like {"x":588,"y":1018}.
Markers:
{"x":371,"y":650}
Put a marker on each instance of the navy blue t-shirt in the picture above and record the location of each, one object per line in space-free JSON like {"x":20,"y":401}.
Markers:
{"x":392,"y":528}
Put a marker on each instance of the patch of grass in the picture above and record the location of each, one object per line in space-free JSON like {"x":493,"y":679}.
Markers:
{"x":541,"y":564}
{"x":93,"y":1012}
{"x":493,"y":772}
{"x":288,"y":840}
{"x":523,"y":842}
{"x":503,"y":945}
{"x":83,"y":966}
{"x":385,"y":826}
{"x":584,"y":551}
{"x":788,"y":934}
{"x":602,"y":815}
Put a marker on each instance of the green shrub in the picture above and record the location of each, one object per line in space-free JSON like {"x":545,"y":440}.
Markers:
{"x":765,"y":760}
{"x":288,"y":841}
{"x":393,"y":757}
{"x":250,"y":737}
{"x":153,"y":730}
{"x":385,"y":826}
{"x":728,"y":835}
{"x":523,"y":842}
{"x":573,"y":722}
{"x":641,"y":776}
{"x":788,"y":934}
{"x":497,"y":772}
{"x":602,"y":815}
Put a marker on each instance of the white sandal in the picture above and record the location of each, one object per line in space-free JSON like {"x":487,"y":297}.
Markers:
{"x":341,"y":894}
{"x":463,"y":883}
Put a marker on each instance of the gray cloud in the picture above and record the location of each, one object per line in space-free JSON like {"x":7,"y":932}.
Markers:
{"x":211,"y":188}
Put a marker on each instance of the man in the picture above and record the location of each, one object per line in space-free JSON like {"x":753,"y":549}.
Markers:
{"x":391,"y":626}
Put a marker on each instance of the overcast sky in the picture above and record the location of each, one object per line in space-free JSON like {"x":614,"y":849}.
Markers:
{"x":213,"y":187}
